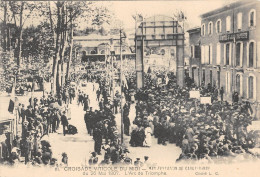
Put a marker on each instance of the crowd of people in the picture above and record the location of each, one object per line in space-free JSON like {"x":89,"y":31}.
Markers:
{"x":37,"y":120}
{"x":211,"y":133}
{"x":101,"y":125}
{"x":214,"y":132}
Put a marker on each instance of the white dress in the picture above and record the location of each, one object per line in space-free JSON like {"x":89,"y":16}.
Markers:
{"x":148,"y":137}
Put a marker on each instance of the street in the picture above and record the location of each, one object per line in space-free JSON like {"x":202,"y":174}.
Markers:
{"x":79,"y":146}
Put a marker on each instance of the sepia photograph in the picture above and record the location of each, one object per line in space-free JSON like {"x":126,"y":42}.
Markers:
{"x":130,"y":88}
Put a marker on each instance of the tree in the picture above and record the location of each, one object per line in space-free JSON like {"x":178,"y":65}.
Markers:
{"x":21,"y":11}
{"x":68,"y":15}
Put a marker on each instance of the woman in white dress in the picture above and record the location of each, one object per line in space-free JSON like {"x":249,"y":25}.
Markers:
{"x":148,"y":136}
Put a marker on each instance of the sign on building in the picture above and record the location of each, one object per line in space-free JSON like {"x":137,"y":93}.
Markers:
{"x":240,"y":36}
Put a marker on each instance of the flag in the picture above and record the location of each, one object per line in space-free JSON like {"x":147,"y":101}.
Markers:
{"x":180,"y":16}
{"x":12,"y":99}
{"x":32,"y":94}
{"x":138,"y":17}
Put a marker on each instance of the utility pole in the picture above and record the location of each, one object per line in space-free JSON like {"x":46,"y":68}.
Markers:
{"x":142,"y":58}
{"x":233,"y":85}
{"x":121,"y":93}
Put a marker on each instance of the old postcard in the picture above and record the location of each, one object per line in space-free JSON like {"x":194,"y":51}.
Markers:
{"x":130,"y":88}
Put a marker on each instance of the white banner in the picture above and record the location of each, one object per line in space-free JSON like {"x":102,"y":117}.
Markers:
{"x":194,"y":94}
{"x":205,"y":100}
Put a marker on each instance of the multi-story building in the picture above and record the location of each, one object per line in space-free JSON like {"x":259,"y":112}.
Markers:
{"x":195,"y":54}
{"x":95,"y":46}
{"x":230,"y":50}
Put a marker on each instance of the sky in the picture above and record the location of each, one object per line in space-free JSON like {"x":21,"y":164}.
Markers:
{"x":124,"y":10}
{"x":193,"y":9}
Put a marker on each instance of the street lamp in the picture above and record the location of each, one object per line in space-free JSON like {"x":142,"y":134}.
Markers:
{"x":121,"y":83}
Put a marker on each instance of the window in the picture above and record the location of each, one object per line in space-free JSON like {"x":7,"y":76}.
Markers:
{"x":250,"y":87}
{"x":93,"y":52}
{"x":227,"y":82}
{"x":238,"y":84}
{"x":210,"y":28}
{"x":239,"y":54}
{"x":203,"y":76}
{"x":211,"y":77}
{"x":218,"y":26}
{"x":218,"y":74}
{"x":210,"y":54}
{"x":203,"y":30}
{"x":202,"y":54}
{"x":197,"y":51}
{"x":192,"y":51}
{"x":227,"y":55}
{"x":172,"y":52}
{"x":239,"y":21}
{"x":252,"y":18}
{"x":228,"y":24}
{"x":162,"y":52}
{"x":218,"y":54}
{"x":102,"y":52}
{"x":251,"y":54}
{"x":207,"y":54}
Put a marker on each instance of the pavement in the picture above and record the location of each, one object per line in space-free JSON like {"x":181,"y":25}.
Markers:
{"x":79,"y":146}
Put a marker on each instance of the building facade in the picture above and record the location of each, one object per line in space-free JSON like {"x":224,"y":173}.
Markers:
{"x":95,"y":47}
{"x":195,"y":55}
{"x":230,"y":50}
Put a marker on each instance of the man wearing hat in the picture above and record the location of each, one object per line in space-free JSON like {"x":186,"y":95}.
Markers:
{"x":64,"y":122}
{"x":138,"y":162}
{"x":93,"y":159}
{"x":97,"y":136}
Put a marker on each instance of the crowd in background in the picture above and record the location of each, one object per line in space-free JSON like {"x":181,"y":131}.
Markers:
{"x":204,"y":132}
{"x":213,"y":132}
{"x":37,"y":120}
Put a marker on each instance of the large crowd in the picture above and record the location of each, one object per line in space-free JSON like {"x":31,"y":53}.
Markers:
{"x":37,"y":120}
{"x":215,"y":132}
{"x":102,"y":126}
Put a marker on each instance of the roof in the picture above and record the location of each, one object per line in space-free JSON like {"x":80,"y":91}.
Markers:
{"x":226,"y":7}
{"x":194,"y":29}
{"x":95,"y":37}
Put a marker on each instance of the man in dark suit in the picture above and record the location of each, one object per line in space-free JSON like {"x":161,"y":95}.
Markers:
{"x":221,"y":93}
{"x":97,"y":135}
{"x":64,"y":122}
